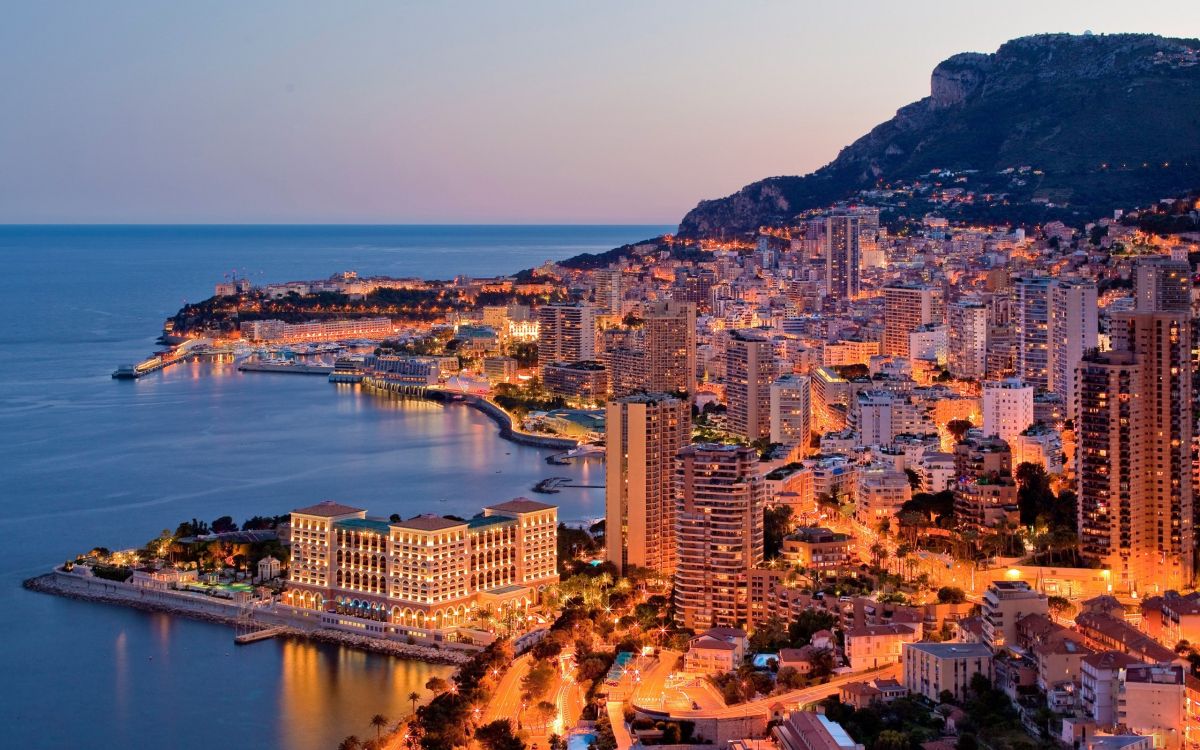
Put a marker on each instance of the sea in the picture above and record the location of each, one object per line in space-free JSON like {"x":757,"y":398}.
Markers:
{"x":89,"y":461}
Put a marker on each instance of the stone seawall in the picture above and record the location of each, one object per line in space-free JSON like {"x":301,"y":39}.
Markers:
{"x":214,"y":610}
{"x":502,"y":418}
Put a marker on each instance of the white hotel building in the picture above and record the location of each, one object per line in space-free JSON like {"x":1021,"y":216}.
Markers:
{"x":423,"y":577}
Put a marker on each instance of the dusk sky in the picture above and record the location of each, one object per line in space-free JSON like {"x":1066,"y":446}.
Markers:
{"x":504,"y":112}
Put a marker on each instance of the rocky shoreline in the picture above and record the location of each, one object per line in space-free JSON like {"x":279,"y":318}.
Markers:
{"x":49,"y":583}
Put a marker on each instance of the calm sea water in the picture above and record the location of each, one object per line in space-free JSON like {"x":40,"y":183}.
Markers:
{"x":85,"y":461}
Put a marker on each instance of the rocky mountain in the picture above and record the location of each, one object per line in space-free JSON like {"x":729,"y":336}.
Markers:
{"x":1049,"y":126}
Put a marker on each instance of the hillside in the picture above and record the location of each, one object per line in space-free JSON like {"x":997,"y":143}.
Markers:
{"x":1098,"y":122}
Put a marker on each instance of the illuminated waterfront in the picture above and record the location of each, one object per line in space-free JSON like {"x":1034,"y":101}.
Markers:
{"x":88,"y":460}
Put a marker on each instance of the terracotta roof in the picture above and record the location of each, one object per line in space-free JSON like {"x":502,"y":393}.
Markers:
{"x":1110,"y":660}
{"x":329,"y":509}
{"x":871,"y":630}
{"x":725,"y":633}
{"x":859,"y":688}
{"x":711,"y":644}
{"x":521,"y":505}
{"x":1061,"y":646}
{"x":795,"y":654}
{"x":429,"y":523}
{"x":804,"y":730}
{"x":1093,"y":624}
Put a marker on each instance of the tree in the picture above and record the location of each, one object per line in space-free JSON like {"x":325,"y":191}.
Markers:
{"x":543,"y":712}
{"x":223,"y":525}
{"x":914,"y":479}
{"x":537,"y":682}
{"x":890,"y":739}
{"x":499,"y":735}
{"x":1060,"y":606}
{"x":379,"y":721}
{"x":958,"y":428}
{"x":414,"y":696}
{"x":789,"y":679}
{"x":808,"y":622}
{"x":951,"y":595}
{"x":437,"y":685}
{"x":350,"y":743}
{"x":822,"y":663}
{"x":1034,"y":496}
{"x":777,"y":523}
{"x":772,"y":635}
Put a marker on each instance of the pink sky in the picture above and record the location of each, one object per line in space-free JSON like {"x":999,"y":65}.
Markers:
{"x":459,"y":112}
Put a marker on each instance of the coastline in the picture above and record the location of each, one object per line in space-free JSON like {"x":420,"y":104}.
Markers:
{"x":502,"y":418}
{"x":208,"y":609}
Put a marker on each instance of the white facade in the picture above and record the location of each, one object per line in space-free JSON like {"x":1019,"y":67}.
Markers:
{"x":1007,"y":407}
{"x":1073,"y":331}
{"x":879,"y":494}
{"x":929,"y":343}
{"x":791,"y":410}
{"x":967,"y":338}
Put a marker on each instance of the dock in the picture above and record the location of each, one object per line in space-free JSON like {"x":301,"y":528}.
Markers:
{"x":554,"y":485}
{"x":161,"y":360}
{"x":259,"y":635}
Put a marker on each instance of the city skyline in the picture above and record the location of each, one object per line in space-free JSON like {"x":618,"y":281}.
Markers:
{"x":523,"y":114}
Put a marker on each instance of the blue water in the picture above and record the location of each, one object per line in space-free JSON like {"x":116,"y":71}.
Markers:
{"x":580,"y":741}
{"x":88,"y":461}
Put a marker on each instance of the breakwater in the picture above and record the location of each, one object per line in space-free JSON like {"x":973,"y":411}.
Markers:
{"x":222,"y":612}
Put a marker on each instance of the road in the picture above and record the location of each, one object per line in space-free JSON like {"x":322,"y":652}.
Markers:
{"x":616,"y":715}
{"x":654,"y":695}
{"x":506,"y":701}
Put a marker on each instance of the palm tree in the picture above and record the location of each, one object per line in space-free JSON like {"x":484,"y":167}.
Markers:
{"x":350,"y":743}
{"x":414,"y":696}
{"x":379,"y":721}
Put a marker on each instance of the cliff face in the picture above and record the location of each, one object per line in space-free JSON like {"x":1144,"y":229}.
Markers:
{"x":1091,"y":114}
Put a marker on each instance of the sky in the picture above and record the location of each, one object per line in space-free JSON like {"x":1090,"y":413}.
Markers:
{"x":510,"y":111}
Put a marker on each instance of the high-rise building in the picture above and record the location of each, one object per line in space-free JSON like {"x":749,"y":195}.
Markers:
{"x":1133,"y":431}
{"x":905,"y":308}
{"x":791,"y":412}
{"x":1161,"y":284}
{"x":1007,"y":408}
{"x":967,"y":331}
{"x":1031,"y":313}
{"x":749,"y":370}
{"x":609,"y":292}
{"x":643,"y":434}
{"x":719,"y":534}
{"x":842,"y":256}
{"x":670,"y":357}
{"x":1073,"y":331}
{"x":566,"y":333}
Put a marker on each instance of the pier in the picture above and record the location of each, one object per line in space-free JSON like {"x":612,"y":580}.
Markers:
{"x":553,"y":485}
{"x":263,"y":634}
{"x":161,"y":361}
